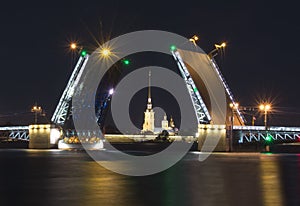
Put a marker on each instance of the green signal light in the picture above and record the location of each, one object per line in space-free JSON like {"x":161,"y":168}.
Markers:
{"x":195,"y":89}
{"x":173,"y":47}
{"x":126,"y":61}
{"x":269,"y":138}
{"x":83,"y":53}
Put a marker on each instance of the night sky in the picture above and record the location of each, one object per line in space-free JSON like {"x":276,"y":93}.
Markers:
{"x":261,"y":60}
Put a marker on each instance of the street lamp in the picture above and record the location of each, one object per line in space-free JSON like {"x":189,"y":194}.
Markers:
{"x":214,"y":52}
{"x":76,"y":48}
{"x":265,"y":108}
{"x":111,"y":91}
{"x":194,"y":39}
{"x":105,"y":52}
{"x":73,"y":46}
{"x":37,"y":110}
{"x":234,"y":107}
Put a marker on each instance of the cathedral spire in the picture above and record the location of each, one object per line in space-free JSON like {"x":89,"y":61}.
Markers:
{"x":149,"y":88}
{"x":149,"y":105}
{"x":148,"y":125}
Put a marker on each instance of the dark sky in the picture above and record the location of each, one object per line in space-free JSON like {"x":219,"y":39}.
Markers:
{"x":261,"y":60}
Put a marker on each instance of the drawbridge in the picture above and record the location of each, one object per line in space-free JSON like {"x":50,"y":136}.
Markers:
{"x":63,"y":110}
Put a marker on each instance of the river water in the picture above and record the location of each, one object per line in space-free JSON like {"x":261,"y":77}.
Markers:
{"x":54,"y":177}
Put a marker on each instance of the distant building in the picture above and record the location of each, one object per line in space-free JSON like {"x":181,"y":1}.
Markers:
{"x":165,"y":123}
{"x":148,"y":125}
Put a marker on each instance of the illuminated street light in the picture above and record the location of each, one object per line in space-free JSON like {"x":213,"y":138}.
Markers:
{"x":223,"y":45}
{"x":73,"y":46}
{"x":37,"y":110}
{"x":194,"y":39}
{"x":111,"y":91}
{"x":214,"y":52}
{"x":105,"y":52}
{"x":234,"y":105}
{"x":265,"y":108}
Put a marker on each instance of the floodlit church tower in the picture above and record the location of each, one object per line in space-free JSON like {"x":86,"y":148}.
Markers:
{"x":165,"y":123}
{"x":148,"y":125}
{"x":172,"y":124}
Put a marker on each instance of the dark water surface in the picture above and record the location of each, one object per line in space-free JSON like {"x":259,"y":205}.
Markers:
{"x":53,"y":177}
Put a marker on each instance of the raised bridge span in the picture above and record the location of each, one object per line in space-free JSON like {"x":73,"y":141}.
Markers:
{"x":240,"y":133}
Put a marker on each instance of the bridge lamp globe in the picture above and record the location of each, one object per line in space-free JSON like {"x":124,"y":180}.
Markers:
{"x":234,"y":105}
{"x":262,"y":107}
{"x":105,"y":52}
{"x":194,"y":39}
{"x":265,"y":107}
{"x":111,"y":91}
{"x":73,"y":46}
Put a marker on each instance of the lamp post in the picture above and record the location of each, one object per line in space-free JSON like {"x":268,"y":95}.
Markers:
{"x":265,"y":108}
{"x":253,"y":120}
{"x":37,"y":110}
{"x":234,"y":106}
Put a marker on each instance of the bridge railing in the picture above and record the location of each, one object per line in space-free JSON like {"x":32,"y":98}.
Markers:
{"x":15,"y":132}
{"x":256,"y":134}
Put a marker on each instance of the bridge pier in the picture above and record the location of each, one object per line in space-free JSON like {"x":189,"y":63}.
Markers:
{"x":212,"y":138}
{"x":43,"y":136}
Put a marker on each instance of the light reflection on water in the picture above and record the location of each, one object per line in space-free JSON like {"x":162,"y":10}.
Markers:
{"x":52,"y":177}
{"x":271,"y":182}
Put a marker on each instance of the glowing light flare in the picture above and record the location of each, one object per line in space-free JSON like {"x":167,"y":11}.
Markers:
{"x":73,"y":46}
{"x":111,"y":91}
{"x":194,"y":39}
{"x":83,"y":53}
{"x":223,"y":45}
{"x":172,"y":47}
{"x":105,"y":52}
{"x":36,"y":109}
{"x":234,"y":105}
{"x":265,"y":107}
{"x":261,"y":107}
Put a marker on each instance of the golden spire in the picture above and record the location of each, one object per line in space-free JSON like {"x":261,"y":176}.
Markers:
{"x":149,"y":105}
{"x":149,"y":88}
